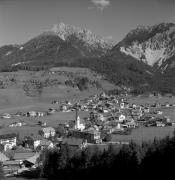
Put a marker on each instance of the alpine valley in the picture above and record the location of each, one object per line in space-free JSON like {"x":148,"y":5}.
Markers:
{"x":143,"y":61}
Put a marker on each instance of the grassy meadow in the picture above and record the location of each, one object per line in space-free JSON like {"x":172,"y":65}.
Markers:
{"x":13,"y":98}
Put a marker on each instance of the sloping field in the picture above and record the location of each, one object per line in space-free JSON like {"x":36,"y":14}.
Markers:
{"x":146,"y":134}
{"x":151,"y":100}
{"x":14,"y":96}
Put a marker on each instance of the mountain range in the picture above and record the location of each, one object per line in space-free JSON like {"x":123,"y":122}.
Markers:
{"x":144,"y":59}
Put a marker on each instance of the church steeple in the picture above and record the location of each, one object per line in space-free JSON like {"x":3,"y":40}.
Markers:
{"x":78,"y":124}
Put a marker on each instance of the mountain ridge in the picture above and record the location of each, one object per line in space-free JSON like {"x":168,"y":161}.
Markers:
{"x":144,"y":59}
{"x":154,"y":45}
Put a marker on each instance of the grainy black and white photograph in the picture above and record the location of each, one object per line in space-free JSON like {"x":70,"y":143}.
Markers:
{"x":87,"y":89}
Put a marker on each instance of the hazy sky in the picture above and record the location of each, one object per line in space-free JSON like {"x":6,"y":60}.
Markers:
{"x":20,"y":20}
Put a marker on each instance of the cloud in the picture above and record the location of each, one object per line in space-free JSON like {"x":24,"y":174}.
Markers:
{"x":100,"y":4}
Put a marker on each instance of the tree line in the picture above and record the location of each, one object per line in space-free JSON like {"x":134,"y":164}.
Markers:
{"x":133,"y":160}
{"x":150,"y":159}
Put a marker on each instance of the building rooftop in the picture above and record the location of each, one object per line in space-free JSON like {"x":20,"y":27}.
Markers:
{"x":8,"y":136}
{"x":73,"y":141}
{"x":23,"y":155}
{"x":3,"y":157}
{"x":48,"y":129}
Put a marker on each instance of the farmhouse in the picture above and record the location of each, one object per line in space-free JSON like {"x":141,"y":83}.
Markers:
{"x":31,"y":114}
{"x":131,"y":124}
{"x":48,"y":132}
{"x":121,"y":118}
{"x":31,"y":161}
{"x":36,"y":143}
{"x":92,"y":136}
{"x":17,"y":124}
{"x":46,"y":144}
{"x":8,"y":141}
{"x":6,"y":116}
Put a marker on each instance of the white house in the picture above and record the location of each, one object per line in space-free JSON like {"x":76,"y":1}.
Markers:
{"x":8,"y":141}
{"x":121,"y":118}
{"x":46,"y":144}
{"x":40,"y":114}
{"x":159,"y":112}
{"x":36,"y":143}
{"x":122,"y":105}
{"x":48,"y":132}
{"x":101,"y":117}
{"x":6,"y":116}
{"x":17,"y":124}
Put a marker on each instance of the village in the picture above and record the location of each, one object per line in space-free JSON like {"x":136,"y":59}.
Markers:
{"x":108,"y":115}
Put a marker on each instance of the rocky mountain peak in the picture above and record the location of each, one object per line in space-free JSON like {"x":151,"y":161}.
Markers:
{"x":65,"y":31}
{"x":154,"y":45}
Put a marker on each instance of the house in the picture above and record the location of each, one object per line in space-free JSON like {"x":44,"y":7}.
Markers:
{"x":48,"y":132}
{"x":16,"y":124}
{"x":36,"y":143}
{"x":32,"y":142}
{"x":122,"y":105}
{"x":51,"y":111}
{"x":46,"y":144}
{"x":42,"y":143}
{"x":159,"y":112}
{"x":134,"y":106}
{"x":6,"y":116}
{"x":167,"y":104}
{"x":160,"y":124}
{"x":63,"y":108}
{"x":31,"y":114}
{"x":118,"y":126}
{"x":31,"y":161}
{"x":137,"y":113}
{"x":146,"y":110}
{"x":101,"y":117}
{"x":8,"y":141}
{"x":121,"y":118}
{"x":92,"y":136}
{"x":11,"y":167}
{"x":105,"y":110}
{"x":40,"y":114}
{"x":78,"y":143}
{"x":131,"y":124}
{"x":108,"y":130}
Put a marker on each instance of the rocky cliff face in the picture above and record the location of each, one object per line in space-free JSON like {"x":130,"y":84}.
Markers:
{"x":86,"y":37}
{"x":154,"y":45}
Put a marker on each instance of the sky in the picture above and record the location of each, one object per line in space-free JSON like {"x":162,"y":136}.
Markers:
{"x":21,"y":20}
